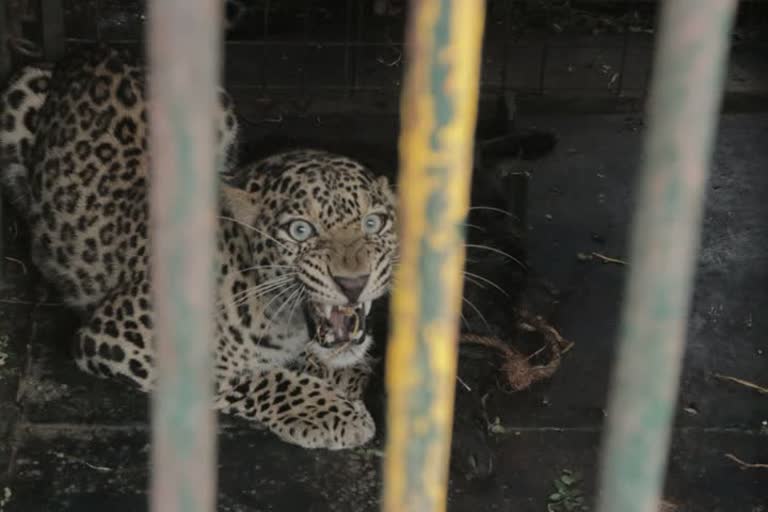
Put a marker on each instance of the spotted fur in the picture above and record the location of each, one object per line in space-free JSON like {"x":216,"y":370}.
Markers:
{"x":83,"y":165}
{"x":24,"y":97}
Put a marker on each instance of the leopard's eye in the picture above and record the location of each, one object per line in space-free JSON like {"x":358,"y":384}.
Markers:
{"x":373,"y":223}
{"x":301,"y":230}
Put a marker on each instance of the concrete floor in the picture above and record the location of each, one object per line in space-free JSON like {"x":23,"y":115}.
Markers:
{"x":71,"y":443}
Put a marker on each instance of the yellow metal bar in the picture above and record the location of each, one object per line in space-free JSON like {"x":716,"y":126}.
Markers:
{"x":439,"y":111}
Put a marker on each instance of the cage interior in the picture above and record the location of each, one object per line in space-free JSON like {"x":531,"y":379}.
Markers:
{"x":557,"y":150}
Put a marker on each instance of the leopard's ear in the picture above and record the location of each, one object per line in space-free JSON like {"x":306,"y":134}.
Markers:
{"x":240,"y":203}
{"x":386,"y":188}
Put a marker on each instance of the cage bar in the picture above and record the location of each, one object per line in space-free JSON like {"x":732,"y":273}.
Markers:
{"x":439,"y":111}
{"x":348,"y":47}
{"x":5,"y":69}
{"x":183,"y":53}
{"x":52,"y":21}
{"x":684,"y":103}
{"x":265,"y":47}
{"x":5,"y":55}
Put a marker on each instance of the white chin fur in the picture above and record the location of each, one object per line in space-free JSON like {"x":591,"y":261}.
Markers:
{"x":350,"y":356}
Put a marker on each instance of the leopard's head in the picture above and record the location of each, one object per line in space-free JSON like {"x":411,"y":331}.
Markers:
{"x":324,"y":232}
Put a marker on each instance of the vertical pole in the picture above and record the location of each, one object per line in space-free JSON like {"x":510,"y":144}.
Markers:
{"x":5,"y":56}
{"x":685,"y":98}
{"x":348,"y":21}
{"x":184,"y":45}
{"x":358,"y":45}
{"x":266,"y":46}
{"x":439,"y":111}
{"x":5,"y":69}
{"x":52,"y":16}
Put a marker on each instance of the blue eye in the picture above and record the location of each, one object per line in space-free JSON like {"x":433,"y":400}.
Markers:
{"x":301,"y":230}
{"x":373,"y":223}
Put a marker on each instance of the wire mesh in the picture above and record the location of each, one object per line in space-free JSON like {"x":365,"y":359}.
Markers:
{"x":306,"y":50}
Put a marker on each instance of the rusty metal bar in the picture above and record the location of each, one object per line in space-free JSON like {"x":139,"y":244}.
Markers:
{"x":686,"y":94}
{"x":184,"y":45}
{"x":439,"y":111}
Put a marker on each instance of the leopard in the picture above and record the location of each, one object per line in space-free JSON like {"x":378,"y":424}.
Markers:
{"x":306,"y":242}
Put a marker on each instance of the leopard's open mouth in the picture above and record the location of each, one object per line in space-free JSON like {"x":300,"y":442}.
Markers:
{"x":337,"y":325}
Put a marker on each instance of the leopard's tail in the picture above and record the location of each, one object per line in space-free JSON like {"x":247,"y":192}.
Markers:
{"x":20,"y":102}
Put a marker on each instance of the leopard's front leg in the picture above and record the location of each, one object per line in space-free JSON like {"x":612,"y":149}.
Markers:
{"x":351,"y":381}
{"x":300,"y":409}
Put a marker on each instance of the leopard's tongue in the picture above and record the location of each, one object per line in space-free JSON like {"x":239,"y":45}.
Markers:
{"x":344,"y":321}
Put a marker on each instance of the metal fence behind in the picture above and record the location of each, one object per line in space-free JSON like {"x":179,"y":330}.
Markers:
{"x":559,"y":55}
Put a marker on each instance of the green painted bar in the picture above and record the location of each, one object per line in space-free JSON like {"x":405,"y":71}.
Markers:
{"x":183,"y":52}
{"x":684,"y":103}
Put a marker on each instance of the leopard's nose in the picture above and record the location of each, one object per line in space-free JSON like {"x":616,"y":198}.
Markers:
{"x":351,"y":287}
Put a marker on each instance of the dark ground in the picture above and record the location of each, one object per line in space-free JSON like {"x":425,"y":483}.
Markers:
{"x":72,"y":443}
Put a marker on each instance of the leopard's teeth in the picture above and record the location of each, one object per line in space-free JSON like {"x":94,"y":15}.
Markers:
{"x":327,"y":310}
{"x":367,"y":306}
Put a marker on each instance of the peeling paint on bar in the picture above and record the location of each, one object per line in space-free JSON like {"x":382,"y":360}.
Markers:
{"x":684,"y":104}
{"x":183,"y":52}
{"x":439,"y":110}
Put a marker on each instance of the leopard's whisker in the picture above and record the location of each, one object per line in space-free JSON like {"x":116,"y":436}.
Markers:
{"x":273,"y":317}
{"x":253,"y":295}
{"x":486,"y":281}
{"x":256,"y":230}
{"x":494,"y":209}
{"x":296,"y":302}
{"x":464,"y":320}
{"x":480,"y":314}
{"x":473,"y":226}
{"x":266,"y":284}
{"x":474,"y":281}
{"x":279,"y":294}
{"x":497,"y":251}
{"x":260,"y":267}
{"x":258,"y":291}
{"x":296,"y":291}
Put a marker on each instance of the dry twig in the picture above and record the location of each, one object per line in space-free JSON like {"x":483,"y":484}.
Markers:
{"x":600,"y":257}
{"x":743,"y":464}
{"x":751,"y":385}
{"x":18,"y":262}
